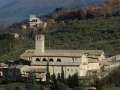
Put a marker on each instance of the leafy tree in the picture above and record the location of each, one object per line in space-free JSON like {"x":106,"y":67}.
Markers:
{"x":111,"y":79}
{"x":17,"y":88}
{"x":61,"y":86}
{"x":114,"y":77}
{"x":8,"y":89}
{"x":31,"y":82}
{"x":75,"y":83}
{"x":58,"y":85}
{"x":76,"y":79}
{"x":69,"y":81}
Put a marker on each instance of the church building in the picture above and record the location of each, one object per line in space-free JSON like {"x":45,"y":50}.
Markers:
{"x":69,"y":61}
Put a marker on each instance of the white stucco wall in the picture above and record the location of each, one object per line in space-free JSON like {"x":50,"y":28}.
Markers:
{"x":68,"y":70}
{"x":63,"y":59}
{"x":83,"y":73}
{"x":33,"y":20}
{"x":83,"y":70}
{"x":93,"y":66}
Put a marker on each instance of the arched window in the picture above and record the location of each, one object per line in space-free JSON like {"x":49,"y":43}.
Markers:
{"x":44,"y":59}
{"x":37,"y":59}
{"x":51,"y":60}
{"x":59,"y":60}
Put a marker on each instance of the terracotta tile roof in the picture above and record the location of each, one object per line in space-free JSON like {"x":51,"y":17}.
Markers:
{"x":62,"y":53}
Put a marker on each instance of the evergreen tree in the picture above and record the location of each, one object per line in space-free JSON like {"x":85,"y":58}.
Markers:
{"x":75,"y":79}
{"x":58,"y":77}
{"x":48,"y":74}
{"x":75,"y":83}
{"x":53,"y":78}
{"x":70,"y":81}
{"x":62,"y":75}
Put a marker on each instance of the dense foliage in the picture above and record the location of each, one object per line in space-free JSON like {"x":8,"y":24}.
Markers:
{"x":101,"y":34}
{"x":86,"y":34}
{"x":110,"y":81}
{"x":11,"y":47}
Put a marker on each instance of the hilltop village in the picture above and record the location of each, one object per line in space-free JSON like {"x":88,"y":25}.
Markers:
{"x":86,"y":63}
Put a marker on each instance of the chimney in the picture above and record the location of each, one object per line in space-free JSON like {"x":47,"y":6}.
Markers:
{"x":40,"y":42}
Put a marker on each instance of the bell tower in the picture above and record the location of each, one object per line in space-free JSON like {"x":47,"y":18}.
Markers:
{"x":40,"y":42}
{"x":40,"y":37}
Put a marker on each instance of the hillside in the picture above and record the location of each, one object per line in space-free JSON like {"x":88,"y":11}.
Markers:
{"x":12,"y":11}
{"x":106,"y":9}
{"x":92,"y":27}
{"x":87,"y":34}
{"x":17,"y":10}
{"x":98,"y":33}
{"x":11,"y":48}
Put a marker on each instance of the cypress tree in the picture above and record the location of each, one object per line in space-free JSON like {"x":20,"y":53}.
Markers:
{"x":48,"y":74}
{"x":62,"y":74}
